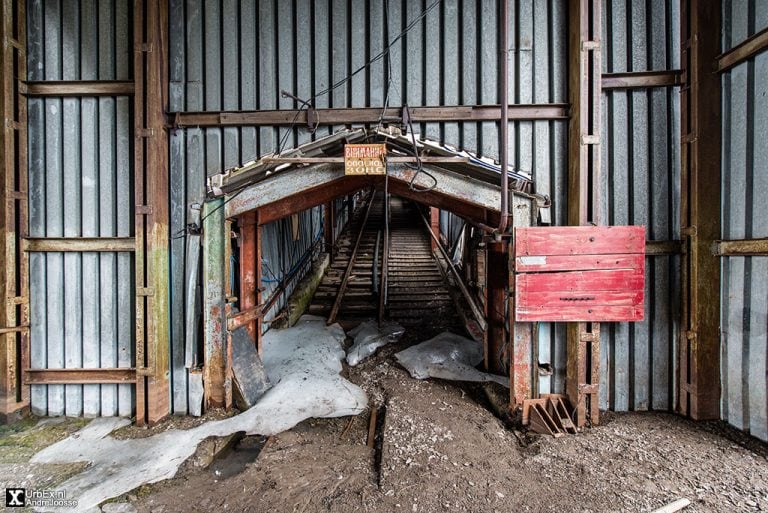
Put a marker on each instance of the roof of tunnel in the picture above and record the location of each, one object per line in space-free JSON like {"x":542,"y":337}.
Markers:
{"x":465,"y":183}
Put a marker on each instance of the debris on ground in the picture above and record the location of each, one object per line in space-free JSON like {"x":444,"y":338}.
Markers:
{"x":369,"y":336}
{"x":303,"y":364}
{"x":447,"y":356}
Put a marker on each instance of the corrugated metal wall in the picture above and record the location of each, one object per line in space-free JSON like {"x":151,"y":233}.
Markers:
{"x":744,"y":306}
{"x":641,"y":175}
{"x":81,"y":182}
{"x":230,"y":55}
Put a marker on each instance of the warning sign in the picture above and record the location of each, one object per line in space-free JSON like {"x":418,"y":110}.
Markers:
{"x":365,"y":159}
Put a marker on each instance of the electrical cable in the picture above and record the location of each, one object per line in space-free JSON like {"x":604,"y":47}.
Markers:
{"x":418,"y":167}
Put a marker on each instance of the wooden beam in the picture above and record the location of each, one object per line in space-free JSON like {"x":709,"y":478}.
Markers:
{"x":747,"y":247}
{"x":699,"y":347}
{"x":152,"y":209}
{"x":14,"y":267}
{"x":390,"y":159}
{"x":641,"y":79}
{"x":77,"y":244}
{"x":753,"y":46}
{"x":369,"y":115}
{"x":79,"y":88}
{"x":78,"y":376}
{"x":584,"y":182}
{"x":663,"y":247}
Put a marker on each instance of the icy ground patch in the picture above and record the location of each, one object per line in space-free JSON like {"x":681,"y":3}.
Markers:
{"x":447,"y":356}
{"x":303,"y":364}
{"x":369,"y":337}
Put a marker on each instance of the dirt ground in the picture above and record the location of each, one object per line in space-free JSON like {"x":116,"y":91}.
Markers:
{"x":443,"y":450}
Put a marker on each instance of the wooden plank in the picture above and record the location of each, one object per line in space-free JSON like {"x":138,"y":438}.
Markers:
{"x":746,"y":247}
{"x":356,"y":115}
{"x":551,"y":263}
{"x":249,"y":376}
{"x":582,"y":281}
{"x":79,"y":88}
{"x":641,"y":79}
{"x":558,"y":299}
{"x":78,"y":244}
{"x":579,"y":240}
{"x":79,"y":376}
{"x":754,"y":45}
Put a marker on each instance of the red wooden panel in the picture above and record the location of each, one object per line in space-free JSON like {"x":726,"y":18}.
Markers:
{"x":580,"y":314}
{"x":600,"y":298}
{"x":581,"y":281}
{"x":549,"y":263}
{"x":579,"y":240}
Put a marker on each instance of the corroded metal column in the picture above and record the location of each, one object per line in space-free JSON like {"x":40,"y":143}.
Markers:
{"x":584,"y":69}
{"x":214,"y":314}
{"x":699,"y":349}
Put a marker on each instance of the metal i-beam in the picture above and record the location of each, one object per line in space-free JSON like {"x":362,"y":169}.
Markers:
{"x":699,"y":348}
{"x":584,"y":65}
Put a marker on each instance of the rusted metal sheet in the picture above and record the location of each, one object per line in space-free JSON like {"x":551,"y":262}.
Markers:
{"x":249,"y":284}
{"x":584,"y":184}
{"x":699,"y":348}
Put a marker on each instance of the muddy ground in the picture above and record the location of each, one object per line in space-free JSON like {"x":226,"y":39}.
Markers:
{"x":441,"y":449}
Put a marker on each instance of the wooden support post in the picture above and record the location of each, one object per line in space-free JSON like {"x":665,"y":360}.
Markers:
{"x":584,"y":68}
{"x":497,"y":353}
{"x":151,"y":197}
{"x":434,"y":224}
{"x":14,"y":269}
{"x":699,"y":348}
{"x":214,"y":314}
{"x":329,"y":223}
{"x":248,"y":284}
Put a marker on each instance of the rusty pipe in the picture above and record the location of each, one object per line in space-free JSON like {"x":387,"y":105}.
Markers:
{"x":504,"y":123}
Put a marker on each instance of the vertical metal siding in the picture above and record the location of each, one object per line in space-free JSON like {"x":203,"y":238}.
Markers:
{"x":449,"y":57}
{"x":641,"y":174}
{"x":744,"y":300}
{"x":80,"y":186}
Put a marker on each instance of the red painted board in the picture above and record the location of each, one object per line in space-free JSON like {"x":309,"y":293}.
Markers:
{"x":550,"y":263}
{"x":533,"y":300}
{"x":579,"y":240}
{"x":581,"y":281}
{"x":581,"y":314}
{"x":589,"y":296}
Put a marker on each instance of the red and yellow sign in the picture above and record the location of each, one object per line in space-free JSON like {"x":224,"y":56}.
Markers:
{"x":365,"y":159}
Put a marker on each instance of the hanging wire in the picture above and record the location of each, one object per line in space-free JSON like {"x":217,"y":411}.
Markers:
{"x":418,"y":166}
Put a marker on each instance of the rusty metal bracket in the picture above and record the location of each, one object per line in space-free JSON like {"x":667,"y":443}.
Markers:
{"x":144,"y":47}
{"x":145,"y":132}
{"x":144,"y":210}
{"x":145,"y":291}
